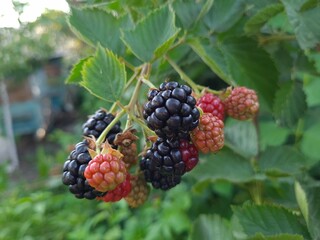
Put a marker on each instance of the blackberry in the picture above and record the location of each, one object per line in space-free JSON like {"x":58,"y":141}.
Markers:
{"x":162,"y":164}
{"x":73,"y":173}
{"x":171,"y":110}
{"x":96,"y":123}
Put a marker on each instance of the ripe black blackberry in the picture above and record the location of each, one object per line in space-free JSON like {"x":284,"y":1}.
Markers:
{"x":96,"y":123}
{"x":162,"y":165}
{"x":171,"y":110}
{"x":73,"y":173}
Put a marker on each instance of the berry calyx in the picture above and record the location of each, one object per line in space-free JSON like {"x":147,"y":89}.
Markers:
{"x":121,"y":191}
{"x":106,"y":170}
{"x":242,"y":103}
{"x":171,"y":110}
{"x":139,"y":192}
{"x":189,"y":153}
{"x":209,"y":135}
{"x":210,"y":103}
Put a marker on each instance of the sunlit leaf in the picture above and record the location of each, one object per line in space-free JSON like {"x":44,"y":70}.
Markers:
{"x":153,"y":35}
{"x":104,"y":76}
{"x":94,"y":25}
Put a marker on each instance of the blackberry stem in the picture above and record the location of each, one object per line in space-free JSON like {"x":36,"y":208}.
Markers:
{"x":207,"y":89}
{"x":103,"y":135}
{"x":183,"y":75}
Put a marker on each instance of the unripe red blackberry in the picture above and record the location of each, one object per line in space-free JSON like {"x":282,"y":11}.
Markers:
{"x":242,"y":103}
{"x":96,"y":123}
{"x":162,"y":164}
{"x":121,"y":191}
{"x":209,"y":135}
{"x":171,"y":110}
{"x":210,"y":103}
{"x":189,"y":153}
{"x":73,"y":173}
{"x":139,"y":193}
{"x":106,"y":170}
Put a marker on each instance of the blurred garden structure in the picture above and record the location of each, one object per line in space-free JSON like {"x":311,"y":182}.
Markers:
{"x":30,"y":106}
{"x":35,"y":59}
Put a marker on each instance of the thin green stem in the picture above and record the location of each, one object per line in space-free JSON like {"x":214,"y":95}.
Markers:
{"x":179,"y":42}
{"x":103,"y":135}
{"x":275,"y":38}
{"x":183,"y":75}
{"x":113,"y":107}
{"x":299,"y":131}
{"x":128,"y":65}
{"x":206,"y":89}
{"x":133,"y":77}
{"x":256,"y":192}
{"x":148,"y":83}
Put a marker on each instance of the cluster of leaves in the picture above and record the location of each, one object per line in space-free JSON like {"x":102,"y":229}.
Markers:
{"x":269,"y":46}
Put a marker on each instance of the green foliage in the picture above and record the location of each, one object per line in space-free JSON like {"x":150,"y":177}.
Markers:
{"x":153,"y":35}
{"x":104,"y":76}
{"x":264,"y":184}
{"x":258,"y":44}
{"x":269,"y":221}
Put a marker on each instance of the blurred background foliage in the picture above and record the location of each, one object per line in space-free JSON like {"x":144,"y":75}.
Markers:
{"x":35,"y":205}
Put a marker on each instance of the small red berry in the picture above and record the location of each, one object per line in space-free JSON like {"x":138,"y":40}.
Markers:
{"x":121,"y":191}
{"x":189,"y":153}
{"x":210,"y":103}
{"x":209,"y":135}
{"x":106,"y":170}
{"x":242,"y":103}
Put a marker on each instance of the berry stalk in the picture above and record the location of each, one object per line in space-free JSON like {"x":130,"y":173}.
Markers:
{"x":103,"y":135}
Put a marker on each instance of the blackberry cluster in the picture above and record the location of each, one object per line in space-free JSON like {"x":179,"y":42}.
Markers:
{"x":96,"y":123}
{"x":163,"y":165}
{"x":171,"y":110}
{"x":73,"y":173}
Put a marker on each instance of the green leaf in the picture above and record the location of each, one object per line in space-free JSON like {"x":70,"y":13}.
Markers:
{"x":186,"y":12}
{"x":270,"y":134}
{"x":241,"y":137}
{"x":212,"y":56}
{"x":214,"y":167}
{"x":281,"y":160}
{"x":75,"y":74}
{"x":250,"y":66}
{"x":94,"y":26}
{"x":309,"y":204}
{"x":278,"y":237}
{"x":255,"y":23}
{"x":224,"y":14}
{"x":153,"y":35}
{"x":269,"y":220}
{"x":208,"y":227}
{"x":104,"y":76}
{"x":305,"y":23}
{"x":290,"y":104}
{"x":312,"y":89}
{"x":310,"y":142}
